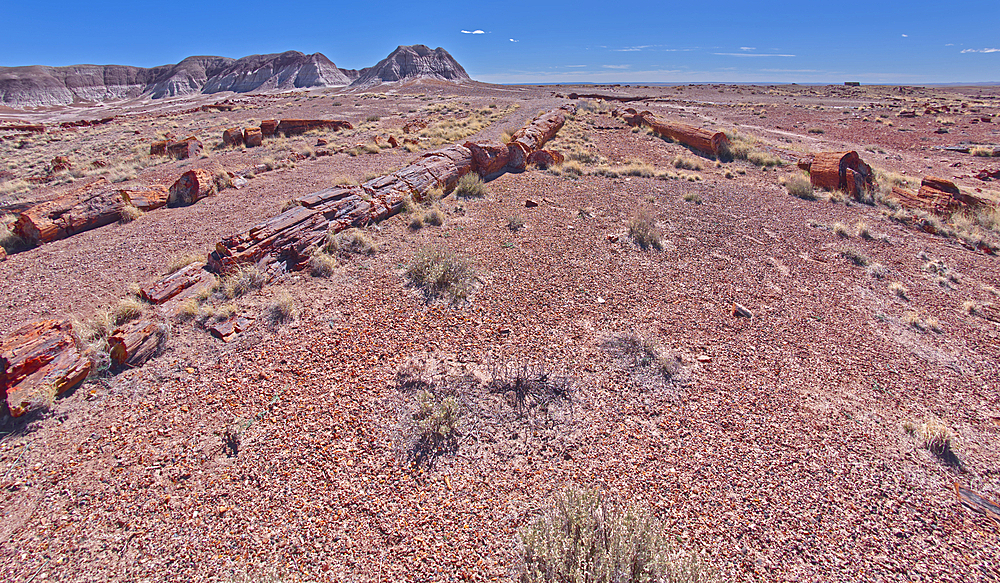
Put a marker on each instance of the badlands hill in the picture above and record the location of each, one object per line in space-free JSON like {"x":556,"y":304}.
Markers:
{"x":38,"y":85}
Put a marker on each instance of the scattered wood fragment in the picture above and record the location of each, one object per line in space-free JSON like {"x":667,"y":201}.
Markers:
{"x":740,"y":310}
{"x":39,"y":361}
{"x":977,"y":503}
{"x":174,"y":283}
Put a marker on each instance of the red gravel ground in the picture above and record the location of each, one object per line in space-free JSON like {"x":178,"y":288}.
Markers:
{"x":778,"y":451}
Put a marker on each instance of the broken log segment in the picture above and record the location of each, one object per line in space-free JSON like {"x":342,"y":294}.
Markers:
{"x":191,"y":187}
{"x":533,"y":136}
{"x":174,"y":283}
{"x":291,"y":127}
{"x":38,"y":362}
{"x":701,"y":139}
{"x":233,"y":137}
{"x":145,"y":198}
{"x":89,"y":207}
{"x":844,"y":171}
{"x":939,"y":196}
{"x":490,"y":157}
{"x":136,"y":342}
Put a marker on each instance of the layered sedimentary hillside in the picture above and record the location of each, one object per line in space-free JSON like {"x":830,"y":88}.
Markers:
{"x":412,"y":62}
{"x":40,"y":85}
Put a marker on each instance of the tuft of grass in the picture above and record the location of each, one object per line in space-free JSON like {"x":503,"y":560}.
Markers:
{"x":816,"y":131}
{"x":10,"y":241}
{"x":899,"y":290}
{"x":515,"y":223}
{"x":470,"y":186}
{"x":440,"y":273}
{"x":643,"y":230}
{"x":864,"y":231}
{"x":687,"y":163}
{"x":128,"y":214}
{"x":933,"y":436}
{"x":693,"y":197}
{"x":355,"y":242}
{"x":841,"y":230}
{"x":416,"y":223}
{"x":799,"y":186}
{"x":434,"y":217}
{"x":972,"y":308}
{"x":188,"y":310}
{"x":126,"y":310}
{"x":178,"y":263}
{"x":877,"y":270}
{"x":241,"y":282}
{"x":588,"y":537}
{"x":281,"y":310}
{"x":981,"y":151}
{"x":322,"y":264}
{"x":855,"y":256}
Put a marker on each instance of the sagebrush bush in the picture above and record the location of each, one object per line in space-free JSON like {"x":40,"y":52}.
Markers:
{"x":642,"y":229}
{"x":586,"y":537}
{"x":440,"y":273}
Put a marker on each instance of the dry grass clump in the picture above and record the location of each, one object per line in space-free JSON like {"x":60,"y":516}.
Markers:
{"x":687,"y":163}
{"x":914,"y":320}
{"x":434,"y":217}
{"x":322,"y":264}
{"x":440,"y":273}
{"x":126,"y":310}
{"x":470,"y":186}
{"x":693,"y":197}
{"x":855,"y":256}
{"x":281,"y":310}
{"x":515,"y":223}
{"x":188,"y":310}
{"x":982,"y":151}
{"x":241,"y":282}
{"x":128,"y":214}
{"x":935,"y":437}
{"x":863,"y":231}
{"x":10,"y":242}
{"x":745,"y":148}
{"x":178,"y":263}
{"x":877,"y":270}
{"x":799,"y":186}
{"x":643,"y":230}
{"x":972,"y":308}
{"x":353,"y":242}
{"x":899,"y":290}
{"x":816,"y":131}
{"x":462,"y":123}
{"x":841,"y":230}
{"x":588,"y":537}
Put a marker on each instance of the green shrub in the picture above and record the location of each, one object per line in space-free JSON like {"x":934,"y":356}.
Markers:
{"x":587,"y":538}
{"x":470,"y":186}
{"x":432,"y":429}
{"x":440,"y":273}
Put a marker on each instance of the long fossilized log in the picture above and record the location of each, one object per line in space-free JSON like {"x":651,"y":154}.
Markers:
{"x":37,"y":362}
{"x":701,"y":139}
{"x":534,"y":135}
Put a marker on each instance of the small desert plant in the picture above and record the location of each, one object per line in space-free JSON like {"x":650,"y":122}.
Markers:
{"x":178,"y":263}
{"x":188,"y":310}
{"x":10,"y":242}
{"x":128,"y":214}
{"x":816,"y":131}
{"x":643,"y":230}
{"x":440,"y":273}
{"x":799,"y":186}
{"x":290,"y":204}
{"x":434,"y":217}
{"x":470,"y":186}
{"x":693,"y":197}
{"x":372,"y":118}
{"x":899,"y":290}
{"x":241,"y":282}
{"x":972,"y":308}
{"x":982,"y":151}
{"x":841,"y":230}
{"x":855,"y":256}
{"x":877,"y":270}
{"x":432,"y":429}
{"x":322,"y":264}
{"x":935,"y":437}
{"x":356,"y":242}
{"x":864,"y":231}
{"x":416,"y":223}
{"x":641,"y":352}
{"x":128,"y":309}
{"x":515,"y":223}
{"x":588,"y":537}
{"x":281,"y":310}
{"x":687,"y":163}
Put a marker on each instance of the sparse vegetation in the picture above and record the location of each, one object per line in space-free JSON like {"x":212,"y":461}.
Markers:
{"x":816,"y":131}
{"x":515,"y":223}
{"x":440,"y":273}
{"x":687,"y":163}
{"x":841,"y":230}
{"x":129,"y":213}
{"x":799,"y":186}
{"x":353,"y":242}
{"x":432,"y":428}
{"x":855,"y":256}
{"x":241,"y":282}
{"x":322,"y":264}
{"x":899,"y":290}
{"x":588,"y":537}
{"x":178,"y":263}
{"x":126,"y":310}
{"x":10,"y":242}
{"x":693,"y":197}
{"x":981,"y":151}
{"x":935,"y":437}
{"x":281,"y":310}
{"x":470,"y":186}
{"x":644,"y":232}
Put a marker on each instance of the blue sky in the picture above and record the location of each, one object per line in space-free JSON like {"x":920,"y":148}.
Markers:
{"x":547,"y":42}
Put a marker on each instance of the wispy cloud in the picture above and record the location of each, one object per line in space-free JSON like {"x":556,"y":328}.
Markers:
{"x":906,"y":36}
{"x":514,"y":40}
{"x":616,"y":66}
{"x":575,"y":66}
{"x":751,"y":55}
{"x":981,"y":50}
{"x":477,"y":31}
{"x":748,"y":48}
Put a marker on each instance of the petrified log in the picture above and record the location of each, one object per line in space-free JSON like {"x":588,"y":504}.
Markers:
{"x":191,"y":187}
{"x":227,"y":329}
{"x":136,"y":342}
{"x":145,"y":198}
{"x":533,"y":136}
{"x":701,"y":139}
{"x":232,"y":137}
{"x":158,"y":148}
{"x":253,"y":137}
{"x":268,"y":127}
{"x":291,"y":127}
{"x":36,"y":128}
{"x":489,"y":157}
{"x":414,"y":125}
{"x":60,"y":163}
{"x":37,"y":362}
{"x":189,"y":147}
{"x":392,"y":142}
{"x":545,"y":158}
{"x":92,"y":206}
{"x":175,"y":283}
{"x":829,"y":171}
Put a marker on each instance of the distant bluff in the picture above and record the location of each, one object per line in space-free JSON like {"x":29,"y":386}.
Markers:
{"x":41,"y":86}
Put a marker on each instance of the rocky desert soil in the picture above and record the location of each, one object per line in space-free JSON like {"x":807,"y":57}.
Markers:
{"x":788,"y":446}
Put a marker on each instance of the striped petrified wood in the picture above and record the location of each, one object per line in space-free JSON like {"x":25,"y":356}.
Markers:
{"x":844,"y":171}
{"x":701,"y":139}
{"x":37,"y":362}
{"x":534,"y":135}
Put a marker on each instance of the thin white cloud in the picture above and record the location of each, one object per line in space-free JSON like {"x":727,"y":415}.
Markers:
{"x":950,"y":45}
{"x":616,"y":66}
{"x":629,"y":50}
{"x":477,"y":31}
{"x":748,"y":48}
{"x":906,"y":36}
{"x":981,"y":50}
{"x":575,"y":66}
{"x":751,"y":55}
{"x":513,"y":40}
